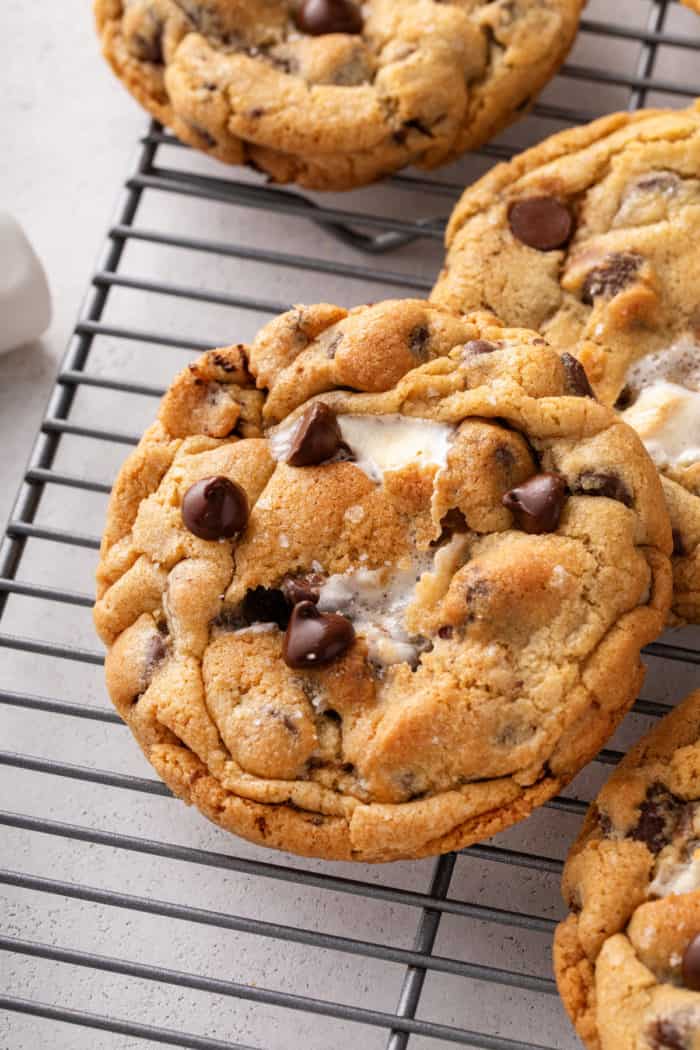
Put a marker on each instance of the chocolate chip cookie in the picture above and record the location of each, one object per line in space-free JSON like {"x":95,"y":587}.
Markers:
{"x":332,"y":93}
{"x":628,"y":957}
{"x":376,"y":586}
{"x":593,"y":238}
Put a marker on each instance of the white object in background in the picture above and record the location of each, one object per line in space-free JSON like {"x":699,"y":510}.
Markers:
{"x":25,"y":300}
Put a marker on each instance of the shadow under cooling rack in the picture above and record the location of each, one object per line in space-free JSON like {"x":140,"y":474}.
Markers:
{"x":129,"y":921}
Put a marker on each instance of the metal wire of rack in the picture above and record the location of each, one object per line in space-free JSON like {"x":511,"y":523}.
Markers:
{"x":425,"y":954}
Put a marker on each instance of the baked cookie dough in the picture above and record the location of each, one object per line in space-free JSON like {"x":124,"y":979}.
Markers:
{"x":593,"y":239}
{"x":627,"y":959}
{"x":376,"y":586}
{"x":330,"y":93}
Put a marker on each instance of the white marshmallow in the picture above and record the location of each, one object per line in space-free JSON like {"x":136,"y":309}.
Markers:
{"x":25,"y":301}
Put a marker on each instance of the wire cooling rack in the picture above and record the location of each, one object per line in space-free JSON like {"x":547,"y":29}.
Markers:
{"x":128,"y":920}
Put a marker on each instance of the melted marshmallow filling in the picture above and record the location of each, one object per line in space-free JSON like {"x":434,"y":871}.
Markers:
{"x":673,"y":878}
{"x":666,"y":413}
{"x":376,"y":600}
{"x":392,"y":442}
{"x":667,"y":418}
{"x":381,"y":443}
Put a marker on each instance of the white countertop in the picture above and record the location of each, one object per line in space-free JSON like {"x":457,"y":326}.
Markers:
{"x":67,"y":134}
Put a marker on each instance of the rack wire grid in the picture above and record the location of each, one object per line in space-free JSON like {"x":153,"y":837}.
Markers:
{"x":129,"y":921}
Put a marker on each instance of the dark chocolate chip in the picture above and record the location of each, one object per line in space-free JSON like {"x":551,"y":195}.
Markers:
{"x":417,"y":342}
{"x":446,"y":631}
{"x":537,"y":504}
{"x":302,"y":588}
{"x":609,"y":485}
{"x":576,"y":379}
{"x":147,"y":44}
{"x":318,"y":17}
{"x":691,"y":965}
{"x":265,"y":605}
{"x":664,"y":1035}
{"x":617,"y":271}
{"x":156,"y":651}
{"x":543,"y":223}
{"x":314,"y":638}
{"x":479,"y":346}
{"x":658,"y":818}
{"x":215,"y":508}
{"x":624,"y":399}
{"x":317,"y":438}
{"x":679,"y":548}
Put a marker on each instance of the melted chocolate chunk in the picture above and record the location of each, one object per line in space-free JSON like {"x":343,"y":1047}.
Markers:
{"x":690,"y":966}
{"x":265,"y":605}
{"x":313,"y":638}
{"x":536,"y":505}
{"x":609,"y":485}
{"x":418,"y":342}
{"x":543,"y":223}
{"x":318,"y":17}
{"x":664,"y":1035}
{"x":317,"y":437}
{"x":658,"y":818}
{"x":576,"y":379}
{"x":624,"y":399}
{"x":612,"y":277}
{"x":302,"y":588}
{"x":215,"y":508}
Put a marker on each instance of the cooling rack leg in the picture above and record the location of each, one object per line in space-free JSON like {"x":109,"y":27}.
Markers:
{"x":424,"y":942}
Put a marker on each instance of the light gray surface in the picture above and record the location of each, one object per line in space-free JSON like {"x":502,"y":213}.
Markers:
{"x":67,"y":134}
{"x":73,"y":130}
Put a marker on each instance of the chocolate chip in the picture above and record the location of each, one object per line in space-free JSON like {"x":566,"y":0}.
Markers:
{"x":155,"y":653}
{"x":658,"y":818}
{"x":446,"y":631}
{"x":691,"y":965}
{"x":417,"y":342}
{"x":543,"y":223}
{"x":679,"y":548}
{"x":576,"y":379}
{"x":318,"y":17}
{"x":537,"y":504}
{"x":479,"y":346}
{"x":609,"y":485}
{"x":624,"y":398}
{"x":664,"y":1035}
{"x":147,"y":43}
{"x":618,"y":270}
{"x":302,"y":588}
{"x":314,"y":638}
{"x":317,"y":437}
{"x":215,"y":508}
{"x":265,"y":605}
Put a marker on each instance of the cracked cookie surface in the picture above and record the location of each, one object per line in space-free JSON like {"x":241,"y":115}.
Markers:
{"x":627,"y":959}
{"x":416,"y":82}
{"x":364,"y":583}
{"x":593,"y":239}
